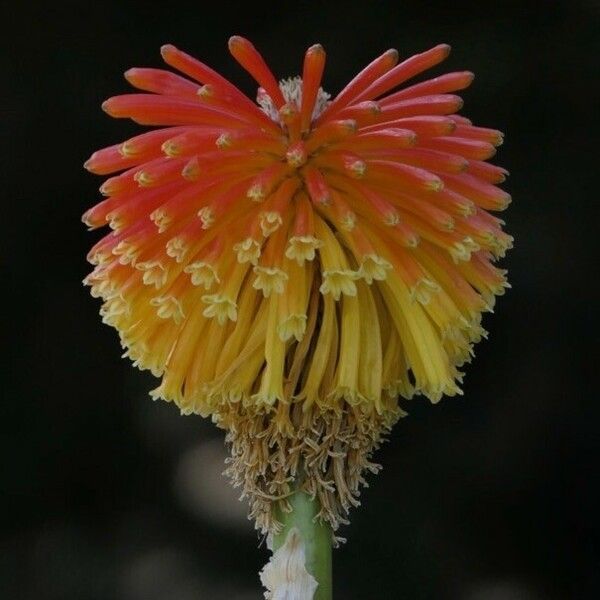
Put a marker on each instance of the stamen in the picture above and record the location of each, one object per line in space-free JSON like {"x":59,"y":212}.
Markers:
{"x":374,"y":267}
{"x":207,"y":216}
{"x":202,"y":273}
{"x":248,"y":251}
{"x":293,"y":326}
{"x":177,"y":248}
{"x":339,"y":281}
{"x":168,"y":307}
{"x":269,"y":280}
{"x":302,"y":248}
{"x":269,"y":222}
{"x":154,"y":273}
{"x":220,"y":307}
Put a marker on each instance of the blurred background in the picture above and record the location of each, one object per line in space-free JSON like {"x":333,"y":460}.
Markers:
{"x":107,"y":495}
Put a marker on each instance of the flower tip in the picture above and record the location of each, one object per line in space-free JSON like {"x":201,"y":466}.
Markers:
{"x":167,"y":49}
{"x":206,"y":91}
{"x":393,"y":55}
{"x":444,"y":50}
{"x":130,"y":75}
{"x":316,"y":49}
{"x":373,"y":107}
{"x":435,"y":184}
{"x":87,"y":221}
{"x":505,"y":201}
{"x":237,"y":41}
{"x":108,"y":107}
{"x":350,"y":125}
{"x":88,"y":165}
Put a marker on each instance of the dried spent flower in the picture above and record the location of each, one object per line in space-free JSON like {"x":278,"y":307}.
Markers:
{"x":291,"y":267}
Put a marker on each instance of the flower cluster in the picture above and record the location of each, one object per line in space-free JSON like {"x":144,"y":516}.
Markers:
{"x":291,"y":266}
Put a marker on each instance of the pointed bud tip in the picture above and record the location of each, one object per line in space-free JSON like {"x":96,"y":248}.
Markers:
{"x":205,"y":91}
{"x":434,"y":185}
{"x":444,"y":49}
{"x":167,"y":49}
{"x":350,"y":124}
{"x":235,"y":41}
{"x":130,"y":74}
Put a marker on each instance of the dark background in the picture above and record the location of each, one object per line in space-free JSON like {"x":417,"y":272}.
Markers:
{"x":107,"y":495}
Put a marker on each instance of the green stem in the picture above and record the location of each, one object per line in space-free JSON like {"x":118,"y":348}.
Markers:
{"x":317,"y":538}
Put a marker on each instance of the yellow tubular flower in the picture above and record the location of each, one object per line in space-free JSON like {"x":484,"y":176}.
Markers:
{"x":292,"y":267}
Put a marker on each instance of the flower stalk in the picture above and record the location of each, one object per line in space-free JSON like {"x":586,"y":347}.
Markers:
{"x":301,"y":566}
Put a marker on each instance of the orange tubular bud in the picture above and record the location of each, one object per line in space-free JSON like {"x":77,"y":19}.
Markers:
{"x":406,"y":70}
{"x":432,"y":160}
{"x":364,"y":113}
{"x":159,"y":81}
{"x":160,"y":173}
{"x":316,"y":185}
{"x":403,"y":176}
{"x":381,"y":140}
{"x":203,"y":74}
{"x":482,"y":134}
{"x":290,"y":117}
{"x":329,"y":133}
{"x":482,"y":193}
{"x":472,"y":149}
{"x":376,"y":203}
{"x":191,"y":142}
{"x":314,"y":64}
{"x":423,"y":126}
{"x":345,"y":162}
{"x":251,"y":60}
{"x":341,"y":213}
{"x":304,"y":222}
{"x":445,"y":104}
{"x":487,"y":172}
{"x":450,"y":82}
{"x":361,"y":82}
{"x":148,"y":109}
{"x":267,"y":181}
{"x":251,"y":139}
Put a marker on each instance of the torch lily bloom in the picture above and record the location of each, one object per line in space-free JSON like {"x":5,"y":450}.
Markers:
{"x":291,"y":267}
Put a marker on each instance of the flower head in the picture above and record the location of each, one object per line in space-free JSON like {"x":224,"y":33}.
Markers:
{"x":290,"y":267}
